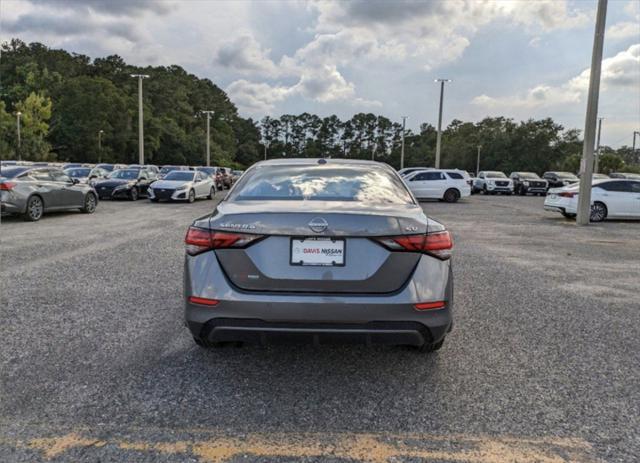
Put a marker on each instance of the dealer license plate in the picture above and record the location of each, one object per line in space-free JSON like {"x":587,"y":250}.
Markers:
{"x":318,"y":251}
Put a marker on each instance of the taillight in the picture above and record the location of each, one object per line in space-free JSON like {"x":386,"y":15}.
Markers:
{"x":568,"y":194}
{"x":7,"y":186}
{"x":200,"y":240}
{"x":438,"y":244}
{"x":203,"y":301}
{"x":430,"y":305}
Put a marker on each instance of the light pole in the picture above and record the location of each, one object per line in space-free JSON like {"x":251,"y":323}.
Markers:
{"x":633,"y":150}
{"x":18,"y":114}
{"x":597,"y":162}
{"x":266,"y":145}
{"x":404,"y":121}
{"x":100,"y":145}
{"x":584,"y":193}
{"x":439,"y":138}
{"x":478,"y":161}
{"x":140,"y":118}
{"x":209,"y":113}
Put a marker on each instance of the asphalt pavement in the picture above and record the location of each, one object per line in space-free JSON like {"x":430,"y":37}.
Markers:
{"x":543,"y":364}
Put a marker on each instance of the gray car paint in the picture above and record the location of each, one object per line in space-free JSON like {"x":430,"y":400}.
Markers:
{"x":55,"y":195}
{"x":258,"y":282}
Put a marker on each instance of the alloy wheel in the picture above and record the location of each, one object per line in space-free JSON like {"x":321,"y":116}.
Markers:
{"x":90,"y":203}
{"x":598,"y":212}
{"x":35,"y":208}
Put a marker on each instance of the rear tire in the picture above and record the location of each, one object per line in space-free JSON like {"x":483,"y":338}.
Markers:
{"x":430,"y":347}
{"x":598,"y":212}
{"x":451,"y":195}
{"x":89,"y":204}
{"x":35,"y":209}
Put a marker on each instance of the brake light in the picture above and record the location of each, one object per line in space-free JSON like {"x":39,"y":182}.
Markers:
{"x":568,"y":194}
{"x":200,"y":240}
{"x":7,"y":186}
{"x":438,"y":244}
{"x":203,"y":301}
{"x":430,"y":305}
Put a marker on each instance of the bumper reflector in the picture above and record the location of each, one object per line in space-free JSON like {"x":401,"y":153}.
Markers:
{"x":430,"y":305}
{"x":203,"y":301}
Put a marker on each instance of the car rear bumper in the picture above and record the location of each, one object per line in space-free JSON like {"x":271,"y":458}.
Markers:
{"x":12,"y":203}
{"x":12,"y":208}
{"x":266,"y":317}
{"x":260,"y":332}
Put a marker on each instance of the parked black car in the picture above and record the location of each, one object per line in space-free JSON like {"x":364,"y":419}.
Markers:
{"x":125,"y":184}
{"x":560,"y":179}
{"x":528,"y":182}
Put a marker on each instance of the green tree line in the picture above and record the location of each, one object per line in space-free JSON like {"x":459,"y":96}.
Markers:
{"x":533,"y":145}
{"x":66,"y":99}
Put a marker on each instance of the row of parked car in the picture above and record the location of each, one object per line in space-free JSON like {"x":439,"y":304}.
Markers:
{"x":31,"y":189}
{"x":452,"y":184}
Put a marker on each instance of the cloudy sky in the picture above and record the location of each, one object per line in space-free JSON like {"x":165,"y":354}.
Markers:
{"x":517,"y":58}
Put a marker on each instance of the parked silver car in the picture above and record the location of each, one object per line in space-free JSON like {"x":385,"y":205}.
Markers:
{"x":34,"y":191}
{"x":183,"y":185}
{"x":320,"y":250}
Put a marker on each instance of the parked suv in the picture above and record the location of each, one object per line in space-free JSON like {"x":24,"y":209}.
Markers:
{"x":445,"y":184}
{"x":559,"y":179}
{"x":492,"y":182}
{"x":528,"y":182}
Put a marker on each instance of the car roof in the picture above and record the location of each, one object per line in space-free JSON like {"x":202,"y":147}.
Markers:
{"x":316,"y":161}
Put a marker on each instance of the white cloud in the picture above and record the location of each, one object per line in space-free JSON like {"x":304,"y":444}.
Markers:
{"x":619,"y":72}
{"x":256,"y":98}
{"x":245,"y":55}
{"x":623,"y":30}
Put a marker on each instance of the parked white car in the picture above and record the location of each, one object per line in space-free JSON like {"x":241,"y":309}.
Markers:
{"x":183,"y":185}
{"x":445,"y":184}
{"x":619,"y":199}
{"x":492,"y":182}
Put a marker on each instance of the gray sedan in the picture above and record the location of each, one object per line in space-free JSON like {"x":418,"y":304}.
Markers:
{"x":33,"y":191}
{"x":319,"y":251}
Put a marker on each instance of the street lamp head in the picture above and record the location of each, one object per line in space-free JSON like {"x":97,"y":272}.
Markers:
{"x":140,"y":76}
{"x":442,"y":80}
{"x":101,"y":131}
{"x":18,"y":113}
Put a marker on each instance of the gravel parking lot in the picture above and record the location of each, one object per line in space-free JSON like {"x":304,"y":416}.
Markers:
{"x":543,"y":364}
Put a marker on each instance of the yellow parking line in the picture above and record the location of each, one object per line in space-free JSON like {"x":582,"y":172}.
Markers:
{"x":211,"y":447}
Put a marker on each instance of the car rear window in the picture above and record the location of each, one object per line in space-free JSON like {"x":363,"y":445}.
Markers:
{"x":363,"y":183}
{"x":455,"y":175}
{"x":12,"y":172}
